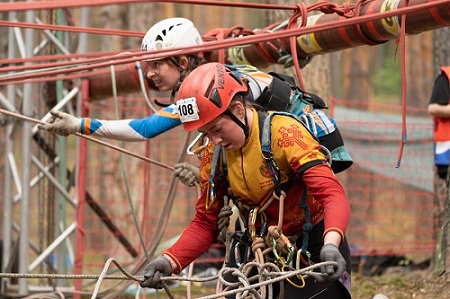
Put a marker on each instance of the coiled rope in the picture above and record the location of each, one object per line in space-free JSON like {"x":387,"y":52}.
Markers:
{"x":245,"y":286}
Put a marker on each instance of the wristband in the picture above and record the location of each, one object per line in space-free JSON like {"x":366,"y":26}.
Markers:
{"x":172,"y":263}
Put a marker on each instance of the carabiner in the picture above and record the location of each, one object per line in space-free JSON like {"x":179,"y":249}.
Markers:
{"x":300,"y":258}
{"x":300,"y":277}
{"x":237,"y":254}
{"x":253,"y":223}
{"x":287,"y":243}
{"x":201,"y":141}
{"x":253,"y":214}
{"x":289,"y":246}
{"x":211,"y":197}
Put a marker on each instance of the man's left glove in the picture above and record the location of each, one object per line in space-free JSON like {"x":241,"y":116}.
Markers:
{"x":330,"y":273}
{"x":153,"y":272}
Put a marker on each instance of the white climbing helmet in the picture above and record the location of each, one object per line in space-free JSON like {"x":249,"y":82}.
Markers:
{"x":171,"y":33}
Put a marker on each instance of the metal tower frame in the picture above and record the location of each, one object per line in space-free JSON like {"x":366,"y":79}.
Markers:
{"x":16,"y":250}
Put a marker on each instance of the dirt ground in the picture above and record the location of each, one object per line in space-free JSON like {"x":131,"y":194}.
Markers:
{"x":402,"y":285}
{"x":397,"y":284}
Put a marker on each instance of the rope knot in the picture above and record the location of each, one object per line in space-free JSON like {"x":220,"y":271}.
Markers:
{"x":307,"y":227}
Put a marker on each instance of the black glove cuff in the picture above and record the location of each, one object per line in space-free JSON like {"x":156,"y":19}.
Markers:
{"x":329,"y":244}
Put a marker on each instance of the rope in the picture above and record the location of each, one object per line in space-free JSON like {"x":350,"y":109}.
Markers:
{"x":143,"y":86}
{"x":124,"y":170}
{"x":21,"y":6}
{"x":244,"y":286}
{"x":23,"y":117}
{"x":224,"y":219}
{"x":86,"y":71}
{"x":223,"y":225}
{"x":69,"y":276}
{"x":402,"y":41}
{"x":300,"y":12}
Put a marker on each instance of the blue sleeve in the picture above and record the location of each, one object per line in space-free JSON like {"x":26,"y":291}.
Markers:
{"x":133,"y":129}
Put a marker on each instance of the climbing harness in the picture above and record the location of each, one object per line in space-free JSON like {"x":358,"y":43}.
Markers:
{"x":260,"y":242}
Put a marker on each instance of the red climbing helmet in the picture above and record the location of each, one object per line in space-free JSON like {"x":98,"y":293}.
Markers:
{"x":206,"y":93}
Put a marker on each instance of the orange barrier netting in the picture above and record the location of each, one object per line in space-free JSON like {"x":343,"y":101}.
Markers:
{"x":385,"y":209}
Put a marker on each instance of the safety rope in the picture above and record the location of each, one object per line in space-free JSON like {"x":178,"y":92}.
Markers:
{"x":86,"y":70}
{"x":27,"y":118}
{"x":300,"y":12}
{"x":404,"y":91}
{"x":124,"y":171}
{"x":21,"y":6}
{"x":143,"y":86}
{"x":244,"y":286}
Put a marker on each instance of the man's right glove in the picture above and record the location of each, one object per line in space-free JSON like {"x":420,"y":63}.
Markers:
{"x":61,"y":123}
{"x":187,"y":173}
{"x":153,"y":272}
{"x":330,"y":273}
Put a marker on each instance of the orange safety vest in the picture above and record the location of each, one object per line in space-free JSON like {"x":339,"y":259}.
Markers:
{"x":442,"y":124}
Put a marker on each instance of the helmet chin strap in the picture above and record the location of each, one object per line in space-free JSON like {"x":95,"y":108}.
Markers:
{"x":238,"y":122}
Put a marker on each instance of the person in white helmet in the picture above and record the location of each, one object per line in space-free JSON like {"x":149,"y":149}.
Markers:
{"x":164,"y":75}
{"x":167,"y":74}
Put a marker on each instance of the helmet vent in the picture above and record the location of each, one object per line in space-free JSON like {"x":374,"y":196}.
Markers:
{"x":208,"y":90}
{"x":215,"y":98}
{"x":213,"y":95}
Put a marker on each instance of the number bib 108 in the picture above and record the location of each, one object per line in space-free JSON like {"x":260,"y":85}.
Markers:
{"x":187,"y":110}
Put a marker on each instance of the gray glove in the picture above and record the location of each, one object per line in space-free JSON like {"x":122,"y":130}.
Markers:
{"x":62,"y":123}
{"x":187,"y":173}
{"x":330,"y":273}
{"x":153,"y":272}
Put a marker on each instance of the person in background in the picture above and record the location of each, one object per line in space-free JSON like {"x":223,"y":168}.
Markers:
{"x":439,"y":108}
{"x":213,"y":101}
{"x":164,"y":75}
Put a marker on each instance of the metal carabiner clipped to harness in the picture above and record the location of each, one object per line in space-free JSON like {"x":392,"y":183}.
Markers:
{"x":211,"y":195}
{"x":201,"y":141}
{"x":289,"y":247}
{"x":253,"y":214}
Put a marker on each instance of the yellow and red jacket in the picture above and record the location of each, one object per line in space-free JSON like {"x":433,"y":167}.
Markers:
{"x":252,"y":184}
